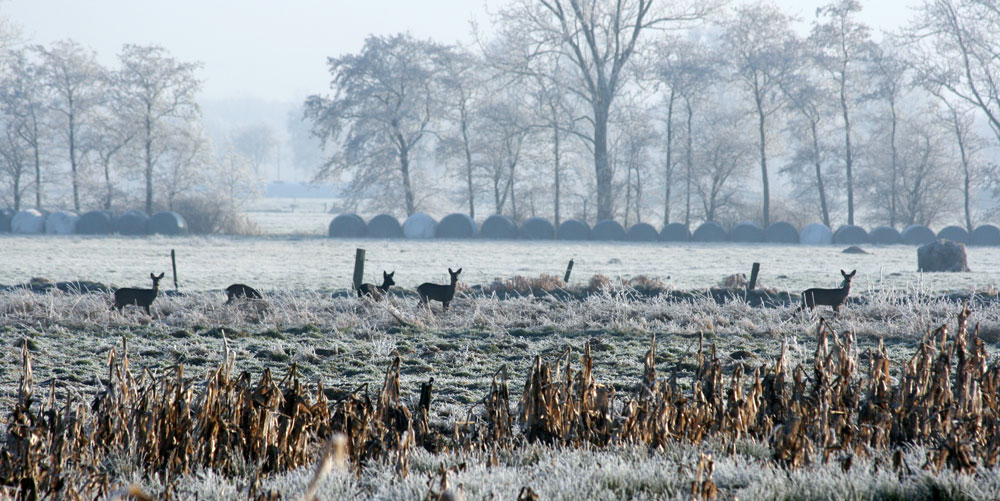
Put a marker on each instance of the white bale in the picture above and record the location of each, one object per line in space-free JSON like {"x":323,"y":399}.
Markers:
{"x":816,"y":234}
{"x":28,"y":221}
{"x":419,"y":225}
{"x":61,"y":223}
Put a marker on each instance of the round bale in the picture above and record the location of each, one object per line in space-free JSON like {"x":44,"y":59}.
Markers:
{"x":607,"y":229}
{"x":347,"y":225}
{"x":917,"y":234}
{"x":675,"y":232}
{"x":537,"y":228}
{"x":384,"y":226}
{"x":132,"y":222}
{"x":885,"y":235}
{"x":850,"y":234}
{"x":166,"y":223}
{"x":5,"y":216}
{"x":62,"y":222}
{"x":573,"y":229}
{"x":816,"y":234}
{"x":28,"y":221}
{"x":643,"y":232}
{"x":954,"y":233}
{"x":419,"y":225}
{"x":456,"y":225}
{"x":709,"y":231}
{"x":95,"y":222}
{"x":498,"y":227}
{"x":746,"y":232}
{"x":781,"y":233}
{"x":986,"y":234}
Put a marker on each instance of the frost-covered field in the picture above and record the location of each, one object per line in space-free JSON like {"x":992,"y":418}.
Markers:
{"x":321,"y":264}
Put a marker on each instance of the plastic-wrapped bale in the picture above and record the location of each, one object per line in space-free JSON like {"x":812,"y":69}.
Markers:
{"x":419,"y":225}
{"x":607,"y":229}
{"x":850,"y":234}
{"x":456,"y":226}
{"x":573,"y":229}
{"x":384,"y":226}
{"x":537,"y":228}
{"x":675,"y":232}
{"x":885,"y":235}
{"x":643,"y":232}
{"x":347,"y":226}
{"x":917,"y":234}
{"x":132,"y":222}
{"x":61,"y":222}
{"x":986,"y":234}
{"x":28,"y":221}
{"x":709,"y":231}
{"x":781,"y":233}
{"x":816,"y":234}
{"x":498,"y":227}
{"x":5,"y":216}
{"x":166,"y":223}
{"x":96,"y":222}
{"x":746,"y":232}
{"x":942,"y":255}
{"x":954,"y":233}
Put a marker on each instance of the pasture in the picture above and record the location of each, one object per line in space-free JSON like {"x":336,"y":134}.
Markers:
{"x":312,"y":328}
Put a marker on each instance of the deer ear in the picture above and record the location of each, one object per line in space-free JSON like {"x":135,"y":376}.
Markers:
{"x":853,"y":272}
{"x":844,"y":273}
{"x":459,"y":271}
{"x":161,"y":275}
{"x":152,"y":275}
{"x":391,"y":274}
{"x":449,"y":271}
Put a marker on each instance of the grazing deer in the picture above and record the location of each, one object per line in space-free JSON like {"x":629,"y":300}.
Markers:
{"x":241,"y":291}
{"x":139,"y":297}
{"x":437,"y":292}
{"x":828,"y":297}
{"x":377,"y":291}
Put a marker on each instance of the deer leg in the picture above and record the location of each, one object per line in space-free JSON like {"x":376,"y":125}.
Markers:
{"x":445,"y":307}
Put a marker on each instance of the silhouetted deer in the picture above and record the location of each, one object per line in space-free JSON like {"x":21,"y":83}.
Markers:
{"x":437,"y":292}
{"x":241,"y":291}
{"x":139,"y":297}
{"x":828,"y":297}
{"x":377,"y":291}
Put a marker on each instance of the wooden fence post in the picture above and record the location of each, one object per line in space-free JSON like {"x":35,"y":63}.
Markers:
{"x":173,"y":264}
{"x":359,"y":268}
{"x":753,"y":276}
{"x":569,"y":269}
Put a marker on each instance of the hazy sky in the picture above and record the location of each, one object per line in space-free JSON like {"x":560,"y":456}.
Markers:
{"x":277,"y":50}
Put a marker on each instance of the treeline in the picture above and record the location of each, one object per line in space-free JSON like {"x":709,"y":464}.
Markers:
{"x":642,"y":110}
{"x":75,"y":134}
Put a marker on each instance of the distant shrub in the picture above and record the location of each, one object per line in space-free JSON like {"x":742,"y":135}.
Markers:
{"x":207,"y":215}
{"x":525,"y":285}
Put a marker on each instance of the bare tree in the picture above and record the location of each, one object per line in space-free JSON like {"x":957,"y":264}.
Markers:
{"x":762,"y":44}
{"x":925,"y":180}
{"x":463,"y":85}
{"x":77,"y":88}
{"x":890,"y":81}
{"x":256,"y":143}
{"x":113,"y":131}
{"x":598,"y":38}
{"x":722,"y":154}
{"x":504,"y":130}
{"x":385,"y":99}
{"x":157,"y":92}
{"x":843,"y":43}
{"x":186,"y":161}
{"x":15,"y":162}
{"x":23,"y":99}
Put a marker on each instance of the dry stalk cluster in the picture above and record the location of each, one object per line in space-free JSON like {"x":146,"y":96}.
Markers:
{"x":945,"y":397}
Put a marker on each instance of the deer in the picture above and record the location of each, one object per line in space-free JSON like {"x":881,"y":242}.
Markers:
{"x":241,"y":291}
{"x":377,"y":291}
{"x":142,"y":298}
{"x":828,"y":297}
{"x":437,"y":292}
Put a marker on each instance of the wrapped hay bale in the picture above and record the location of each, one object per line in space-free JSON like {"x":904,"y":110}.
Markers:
{"x":781,"y":233}
{"x":607,"y":230}
{"x":917,"y":234}
{"x":456,"y":226}
{"x":28,"y":222}
{"x":642,"y":232}
{"x":986,"y":234}
{"x":709,"y":231}
{"x":850,"y":234}
{"x":498,"y":227}
{"x":573,"y":229}
{"x":5,"y":216}
{"x":96,"y":222}
{"x":166,"y":223}
{"x":537,"y":228}
{"x":132,"y":222}
{"x":816,"y":234}
{"x":675,"y":232}
{"x":347,"y":226}
{"x":885,"y":235}
{"x":61,"y":222}
{"x":384,"y":226}
{"x":746,"y":232}
{"x":419,"y":225}
{"x":954,"y":233}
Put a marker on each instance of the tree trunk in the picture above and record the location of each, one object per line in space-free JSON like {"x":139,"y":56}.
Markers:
{"x":605,"y":197}
{"x":468,"y":162}
{"x":149,"y":160}
{"x":17,"y":190}
{"x":555,"y":152}
{"x":848,"y":154}
{"x":72,"y":159}
{"x":819,"y":174}
{"x":107,"y":184}
{"x":628,"y":192}
{"x":966,"y":174}
{"x":668,"y":168}
{"x":688,"y":164}
{"x":404,"y":171}
{"x":765,"y":185}
{"x":894,"y":167}
{"x":38,"y":174}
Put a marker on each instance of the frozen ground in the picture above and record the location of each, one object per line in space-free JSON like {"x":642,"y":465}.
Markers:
{"x":311,"y":263}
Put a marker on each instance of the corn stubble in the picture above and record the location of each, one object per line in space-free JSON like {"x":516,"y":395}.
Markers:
{"x":946,"y":398}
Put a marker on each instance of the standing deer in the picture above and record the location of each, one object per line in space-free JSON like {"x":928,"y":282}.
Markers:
{"x":828,"y":297}
{"x":238,"y":291}
{"x":142,"y":298}
{"x":437,"y":292}
{"x":377,"y":291}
